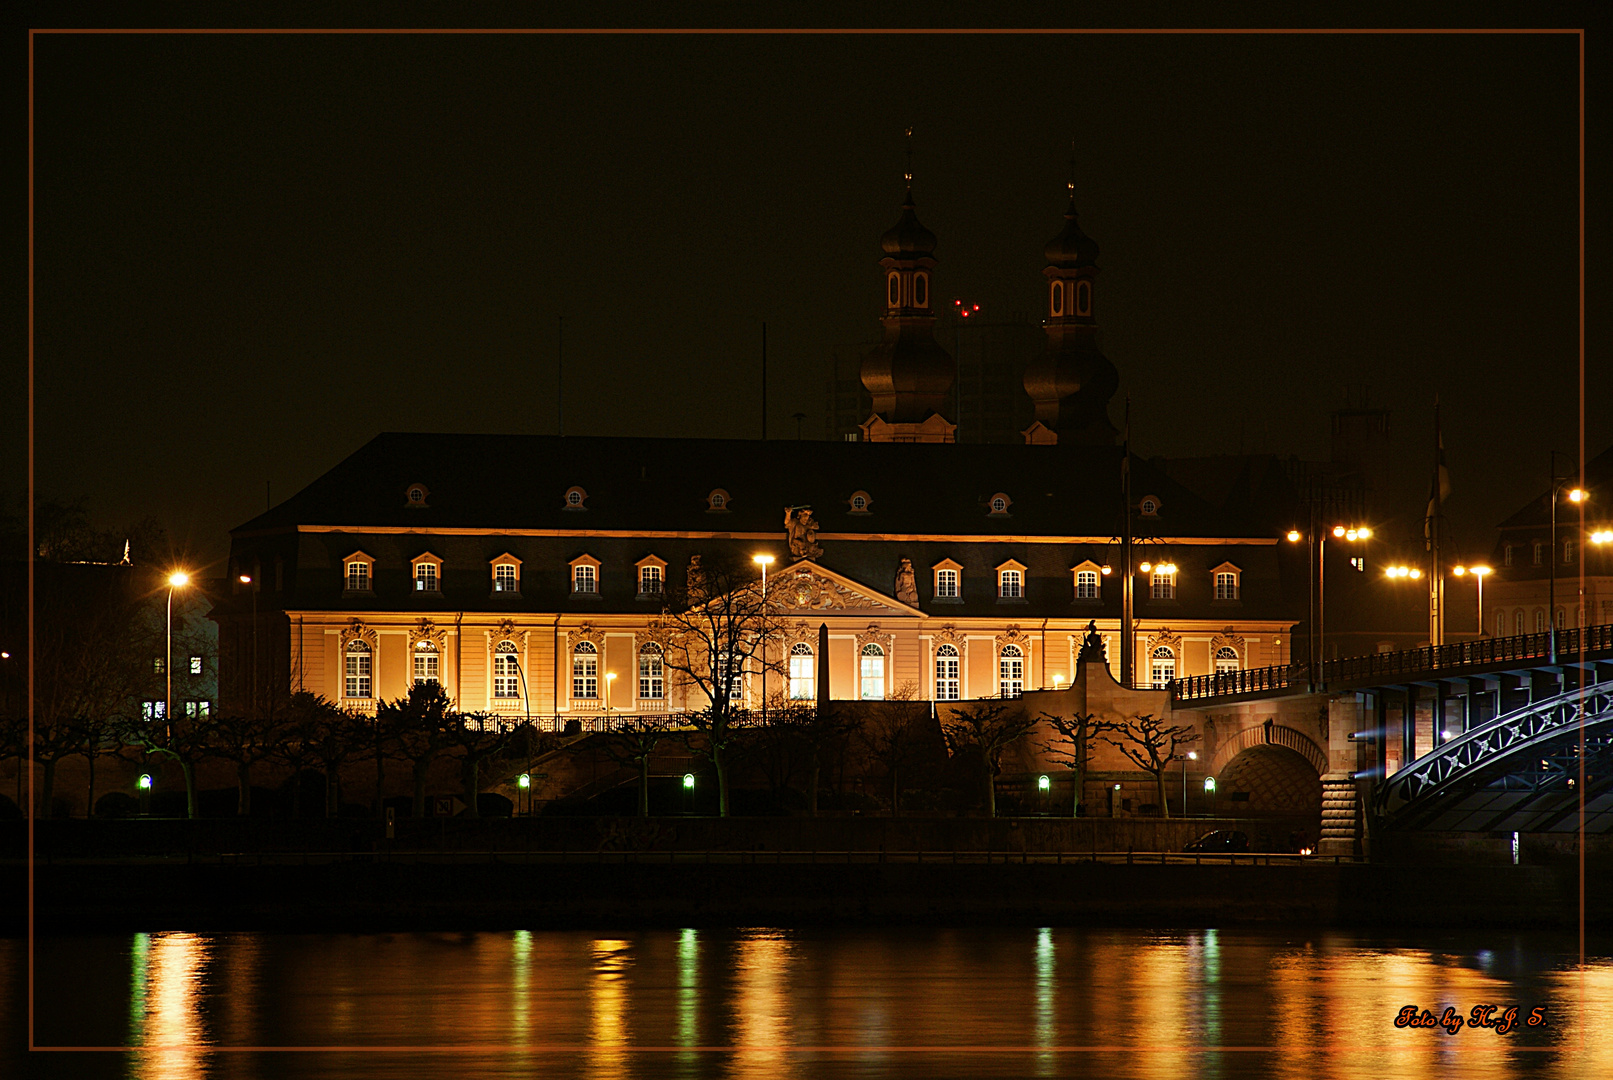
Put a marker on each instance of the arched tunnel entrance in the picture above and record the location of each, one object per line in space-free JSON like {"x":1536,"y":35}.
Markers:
{"x":1277,"y":784}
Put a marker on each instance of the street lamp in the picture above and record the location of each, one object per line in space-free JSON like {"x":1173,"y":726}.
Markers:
{"x":176,"y":580}
{"x":1479,"y":573}
{"x":610,"y":677}
{"x":246,"y":579}
{"x":1192,"y":755}
{"x":1318,"y":551}
{"x":1577,"y":496}
{"x":764,"y":561}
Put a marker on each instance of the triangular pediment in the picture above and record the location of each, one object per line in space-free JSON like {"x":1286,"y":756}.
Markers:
{"x":806,"y":586}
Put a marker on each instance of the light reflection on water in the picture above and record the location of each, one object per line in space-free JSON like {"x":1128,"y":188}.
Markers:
{"x":809,"y":1003}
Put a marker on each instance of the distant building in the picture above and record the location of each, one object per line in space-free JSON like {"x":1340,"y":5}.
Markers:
{"x":1531,"y":571}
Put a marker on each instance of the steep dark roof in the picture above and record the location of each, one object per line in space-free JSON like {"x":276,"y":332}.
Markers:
{"x":500,"y":482}
{"x":1598,"y":481}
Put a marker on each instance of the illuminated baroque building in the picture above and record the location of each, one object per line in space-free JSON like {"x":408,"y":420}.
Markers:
{"x":523,"y":573}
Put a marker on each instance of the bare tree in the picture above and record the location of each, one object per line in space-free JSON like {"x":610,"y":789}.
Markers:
{"x":896,"y":732}
{"x":1072,"y":747}
{"x":185,"y":742}
{"x":478,"y":737}
{"x":712,"y":634}
{"x":1151,"y":745}
{"x":246,"y":741}
{"x":987,"y":728}
{"x":631,"y":743}
{"x":97,"y":738}
{"x":417,"y":728}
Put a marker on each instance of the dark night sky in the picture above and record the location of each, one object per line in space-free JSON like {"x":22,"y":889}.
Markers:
{"x":253,"y":253}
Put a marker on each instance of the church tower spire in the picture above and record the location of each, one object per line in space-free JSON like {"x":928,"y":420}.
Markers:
{"x":908,"y":373}
{"x":1072,"y":381}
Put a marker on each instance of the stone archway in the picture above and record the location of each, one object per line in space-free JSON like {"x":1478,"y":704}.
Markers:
{"x":1269,"y":770}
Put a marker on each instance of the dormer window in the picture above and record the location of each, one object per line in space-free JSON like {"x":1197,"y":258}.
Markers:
{"x":417,"y":495}
{"x":860,"y":502}
{"x":1011,"y":581}
{"x":1228,"y":581}
{"x":576,"y":497}
{"x":1088,"y":580}
{"x":427,"y":573}
{"x":1149,"y":507}
{"x":999,"y":505}
{"x":506,"y":574}
{"x":717,"y":502}
{"x":359,"y":573}
{"x":651,"y":577}
{"x":585,"y":576}
{"x":948,"y":583}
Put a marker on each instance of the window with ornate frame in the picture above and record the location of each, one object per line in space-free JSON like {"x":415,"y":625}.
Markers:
{"x":506,"y":670}
{"x":803,"y":672}
{"x":1011,"y":671}
{"x":1162,"y":585}
{"x":1011,"y":581}
{"x":506,"y":574}
{"x":947,"y":666}
{"x":585,"y":576}
{"x":1088,"y":580}
{"x":1162,"y":667}
{"x":651,"y":577}
{"x":585,"y":671}
{"x":576,"y":498}
{"x":1228,"y":581}
{"x":427,"y":663}
{"x":717,"y":501}
{"x":999,"y":504}
{"x":948,"y":581}
{"x":358,"y":671}
{"x":651,"y":672}
{"x":871,"y":673}
{"x":1227,"y":659}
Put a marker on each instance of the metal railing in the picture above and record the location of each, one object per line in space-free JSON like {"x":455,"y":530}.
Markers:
{"x":1390,"y":666}
{"x":733,"y":857}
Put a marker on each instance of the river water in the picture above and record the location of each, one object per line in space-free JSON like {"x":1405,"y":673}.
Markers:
{"x":778,"y":1003}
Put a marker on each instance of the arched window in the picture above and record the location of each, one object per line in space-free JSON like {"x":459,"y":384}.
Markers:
{"x":1540,"y":553}
{"x":507,"y":670}
{"x":1560,"y":621}
{"x":1506,"y":554}
{"x":730,"y":673}
{"x":1083,"y":298}
{"x":803,"y":675}
{"x":893,"y":290}
{"x":946,"y":673}
{"x":921,"y":290}
{"x":359,"y":670}
{"x":425,"y":663}
{"x":585,"y":671}
{"x":1011,"y":671}
{"x":1056,"y":298}
{"x":1163,"y":667}
{"x":1500,"y":624}
{"x":1517,"y":622}
{"x":1540,"y":620}
{"x":872,"y":670}
{"x":1570,"y":549}
{"x":1086,"y":585}
{"x":1162,"y":585}
{"x":651,"y":672}
{"x":1226,"y":659}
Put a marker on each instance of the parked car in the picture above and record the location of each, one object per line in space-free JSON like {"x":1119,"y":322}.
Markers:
{"x":1221,"y":841}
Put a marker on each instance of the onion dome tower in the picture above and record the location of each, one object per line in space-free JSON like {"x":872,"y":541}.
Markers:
{"x":1072,"y":381}
{"x":909,"y":374}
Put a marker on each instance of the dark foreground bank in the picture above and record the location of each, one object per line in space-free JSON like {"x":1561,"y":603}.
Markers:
{"x":486,"y":893}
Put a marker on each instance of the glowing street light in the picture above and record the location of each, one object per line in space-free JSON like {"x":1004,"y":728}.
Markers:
{"x":610,"y":677}
{"x":1479,"y":574}
{"x":1192,"y":755}
{"x":144,"y":782}
{"x":176,"y":580}
{"x":1209,"y":785}
{"x":1318,"y":578}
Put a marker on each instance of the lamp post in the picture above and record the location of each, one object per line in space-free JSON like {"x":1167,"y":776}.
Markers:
{"x":610,"y":677}
{"x":1577,"y":496}
{"x":1479,"y":573}
{"x":176,"y":580}
{"x":764,"y":561}
{"x":246,"y":579}
{"x":1192,"y":755}
{"x":1318,"y":544}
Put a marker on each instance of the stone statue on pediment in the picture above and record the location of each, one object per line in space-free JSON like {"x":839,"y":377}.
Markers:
{"x":1092,"y":646}
{"x":802,"y":530}
{"x":907,"y":590}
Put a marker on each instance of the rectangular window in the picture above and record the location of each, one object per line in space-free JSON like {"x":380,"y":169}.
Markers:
{"x":803,"y":675}
{"x":1086,"y":585}
{"x":649,"y":580}
{"x":357,"y":679}
{"x":583,"y":579}
{"x":358,"y":577}
{"x":506,"y":676}
{"x":195,"y":665}
{"x":190,"y":710}
{"x":204,"y":709}
{"x":1358,"y":562}
{"x":158,"y":665}
{"x":946,"y":675}
{"x":1226,"y":586}
{"x":946,"y":584}
{"x":1162,"y":586}
{"x":585,"y":674}
{"x":425,"y":667}
{"x":1540,"y":553}
{"x":1011,"y":585}
{"x":425,"y":577}
{"x":1164,"y":671}
{"x":733,"y":676}
{"x":153,"y":710}
{"x":1506,"y":555}
{"x":504,"y":579}
{"x":873,"y":673}
{"x":1011,"y":672}
{"x":1568,"y":552}
{"x":651,"y":676}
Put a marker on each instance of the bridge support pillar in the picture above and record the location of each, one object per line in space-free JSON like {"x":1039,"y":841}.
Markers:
{"x":1341,"y":815}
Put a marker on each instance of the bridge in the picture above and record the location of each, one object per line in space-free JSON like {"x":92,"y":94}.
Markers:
{"x":1532,"y":734}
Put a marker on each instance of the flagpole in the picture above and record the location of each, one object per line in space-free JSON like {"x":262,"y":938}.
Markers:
{"x":1436,"y":581}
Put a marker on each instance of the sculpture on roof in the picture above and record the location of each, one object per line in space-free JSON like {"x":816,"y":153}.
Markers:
{"x":1092,"y":650}
{"x":906,"y":590}
{"x":802,"y":530}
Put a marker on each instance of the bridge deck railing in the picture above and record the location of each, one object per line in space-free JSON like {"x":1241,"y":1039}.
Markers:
{"x":1373,"y":667}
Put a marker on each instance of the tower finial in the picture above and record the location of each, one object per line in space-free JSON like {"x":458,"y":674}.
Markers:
{"x":1071,"y":182}
{"x":907,"y":174}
